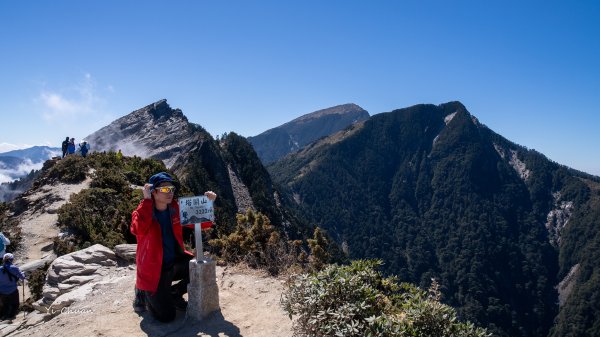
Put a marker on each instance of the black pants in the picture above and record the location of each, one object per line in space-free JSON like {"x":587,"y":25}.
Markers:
{"x":162,"y":303}
{"x":10,"y":305}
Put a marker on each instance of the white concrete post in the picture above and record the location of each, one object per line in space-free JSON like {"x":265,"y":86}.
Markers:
{"x":203,"y":292}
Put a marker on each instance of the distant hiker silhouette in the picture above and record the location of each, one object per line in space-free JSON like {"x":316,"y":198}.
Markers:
{"x":71,"y":146}
{"x":84,"y":147}
{"x":65,"y":146}
{"x":161,"y":257}
{"x":9,"y":292}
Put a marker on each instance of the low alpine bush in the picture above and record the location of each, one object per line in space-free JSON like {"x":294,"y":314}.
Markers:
{"x":356,"y":300}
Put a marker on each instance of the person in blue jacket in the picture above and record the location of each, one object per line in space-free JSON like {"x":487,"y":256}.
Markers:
{"x":84,"y":147}
{"x":71,"y":146}
{"x":9,"y":292}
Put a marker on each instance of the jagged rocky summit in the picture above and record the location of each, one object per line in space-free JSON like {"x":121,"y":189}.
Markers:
{"x":156,"y":131}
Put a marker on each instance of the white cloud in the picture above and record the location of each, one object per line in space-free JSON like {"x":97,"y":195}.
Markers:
{"x":57,"y":104}
{"x":69,"y":103}
{"x":5,"y":147}
{"x":7,"y":174}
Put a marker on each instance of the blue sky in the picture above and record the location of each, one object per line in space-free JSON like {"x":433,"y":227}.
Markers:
{"x":529,"y":70}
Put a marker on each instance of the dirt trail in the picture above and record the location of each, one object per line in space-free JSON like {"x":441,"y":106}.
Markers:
{"x":38,"y":222}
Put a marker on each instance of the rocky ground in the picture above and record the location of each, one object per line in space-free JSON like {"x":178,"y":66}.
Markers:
{"x":249,"y":306}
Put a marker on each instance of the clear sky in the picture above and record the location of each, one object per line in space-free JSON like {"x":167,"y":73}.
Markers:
{"x":529,"y":70}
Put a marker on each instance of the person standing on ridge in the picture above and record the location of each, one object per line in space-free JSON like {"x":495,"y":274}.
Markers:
{"x":65,"y":146}
{"x":85,"y":147}
{"x":71,"y":146}
{"x":9,"y":292}
{"x":160,"y":255}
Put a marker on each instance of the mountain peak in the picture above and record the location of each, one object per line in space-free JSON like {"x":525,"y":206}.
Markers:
{"x":453,"y":105}
{"x":342,"y":109}
{"x":294,"y":135}
{"x":158,"y":110}
{"x":156,"y":130}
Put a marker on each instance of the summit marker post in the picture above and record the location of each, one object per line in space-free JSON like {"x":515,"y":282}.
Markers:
{"x":203,"y":292}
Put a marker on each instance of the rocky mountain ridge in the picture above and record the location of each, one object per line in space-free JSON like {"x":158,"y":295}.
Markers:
{"x":154,"y":131}
{"x":290,"y":137}
{"x":202,"y":163}
{"x":434,"y":193}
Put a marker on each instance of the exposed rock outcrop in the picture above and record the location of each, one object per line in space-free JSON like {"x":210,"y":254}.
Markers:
{"x":156,"y":131}
{"x":126,"y":251}
{"x":566,"y":285}
{"x":558,"y":218}
{"x":243,"y":201}
{"x":514,"y":161}
{"x":71,"y":277}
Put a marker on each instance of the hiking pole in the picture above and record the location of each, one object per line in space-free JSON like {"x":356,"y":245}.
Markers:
{"x":23,"y":298}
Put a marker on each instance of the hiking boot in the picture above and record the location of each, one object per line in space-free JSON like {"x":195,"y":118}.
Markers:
{"x":139,"y":302}
{"x":180,"y":304}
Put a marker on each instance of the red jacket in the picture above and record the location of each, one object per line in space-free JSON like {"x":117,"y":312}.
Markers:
{"x":149,"y":252}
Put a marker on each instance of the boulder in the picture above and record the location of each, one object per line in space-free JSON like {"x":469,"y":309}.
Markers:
{"x":66,"y":299}
{"x":36,"y":264}
{"x":70,"y":276}
{"x":126,"y":251}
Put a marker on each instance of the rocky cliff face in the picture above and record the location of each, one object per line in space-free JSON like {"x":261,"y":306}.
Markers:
{"x":156,"y":131}
{"x":294,"y":135}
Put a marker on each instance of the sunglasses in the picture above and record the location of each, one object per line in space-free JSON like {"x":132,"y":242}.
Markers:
{"x":166,"y":189}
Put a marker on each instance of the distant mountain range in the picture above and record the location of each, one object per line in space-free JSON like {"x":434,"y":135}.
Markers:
{"x":292,"y":136}
{"x":18,"y":163}
{"x":35,"y":154}
{"x":510,"y":236}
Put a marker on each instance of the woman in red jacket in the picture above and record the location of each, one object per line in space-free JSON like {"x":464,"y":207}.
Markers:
{"x":160,"y":256}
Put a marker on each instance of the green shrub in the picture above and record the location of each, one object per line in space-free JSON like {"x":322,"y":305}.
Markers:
{"x":256,"y":242}
{"x":319,"y":255}
{"x":356,"y":300}
{"x":71,"y":169}
{"x":63,"y":246}
{"x":107,"y":178}
{"x":36,"y":281}
{"x":97,"y":215}
{"x":139,"y":169}
{"x":102,"y":213}
{"x":106,"y":160}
